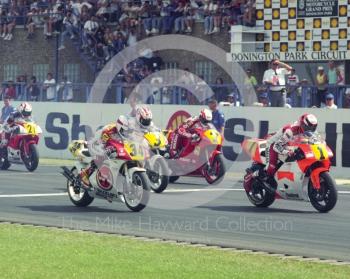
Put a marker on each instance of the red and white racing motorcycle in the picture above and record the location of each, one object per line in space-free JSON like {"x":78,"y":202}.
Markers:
{"x":305,"y":176}
{"x":22,"y":147}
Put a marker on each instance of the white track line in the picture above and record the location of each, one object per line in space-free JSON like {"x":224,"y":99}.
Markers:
{"x":167,"y":191}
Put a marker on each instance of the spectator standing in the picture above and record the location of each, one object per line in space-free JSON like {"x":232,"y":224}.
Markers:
{"x":33,"y":90}
{"x":10,"y":91}
{"x":332,"y":73}
{"x":250,"y":84}
{"x":90,"y":29}
{"x":220,"y":89}
{"x":330,"y":102}
{"x":6,"y":110}
{"x":275,"y":79}
{"x":145,"y":14}
{"x":67,"y":90}
{"x":321,"y":84}
{"x":180,"y":19}
{"x":50,"y":87}
{"x":293,"y":86}
{"x":70,"y":24}
{"x":218,"y":117}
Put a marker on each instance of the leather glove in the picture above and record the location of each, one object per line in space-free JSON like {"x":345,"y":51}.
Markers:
{"x":290,"y":153}
{"x":110,"y":150}
{"x":195,"y":138}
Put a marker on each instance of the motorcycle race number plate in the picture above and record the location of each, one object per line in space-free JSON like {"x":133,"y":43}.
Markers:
{"x":30,"y":128}
{"x":135,"y":151}
{"x":320,"y":151}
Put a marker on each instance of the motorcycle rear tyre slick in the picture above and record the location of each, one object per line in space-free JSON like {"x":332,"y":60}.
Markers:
{"x":85,"y":200}
{"x":164,"y":180}
{"x":145,"y":195}
{"x":333,"y":194}
{"x":34,"y":158}
{"x":269,"y":199}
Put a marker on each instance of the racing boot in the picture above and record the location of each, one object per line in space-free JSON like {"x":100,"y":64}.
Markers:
{"x":85,"y":175}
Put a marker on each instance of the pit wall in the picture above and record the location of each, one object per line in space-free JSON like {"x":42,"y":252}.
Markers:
{"x":63,"y":122}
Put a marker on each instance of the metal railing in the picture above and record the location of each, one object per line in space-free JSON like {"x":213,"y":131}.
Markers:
{"x":304,"y":96}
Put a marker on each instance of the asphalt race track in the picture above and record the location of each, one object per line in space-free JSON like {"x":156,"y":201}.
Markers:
{"x":288,"y":227}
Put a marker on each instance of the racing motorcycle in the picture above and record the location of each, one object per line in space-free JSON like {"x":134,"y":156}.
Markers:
{"x":303,"y":176}
{"x":120,"y":177}
{"x":157,"y":168}
{"x":22,"y":146}
{"x":202,"y":157}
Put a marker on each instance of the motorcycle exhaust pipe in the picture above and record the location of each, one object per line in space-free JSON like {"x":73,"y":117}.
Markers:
{"x":67,"y":174}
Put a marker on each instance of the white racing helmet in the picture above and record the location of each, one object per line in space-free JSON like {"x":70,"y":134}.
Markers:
{"x":25,"y":109}
{"x":205,"y":116}
{"x":143,"y":116}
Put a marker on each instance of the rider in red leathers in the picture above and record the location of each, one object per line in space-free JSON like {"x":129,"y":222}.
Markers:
{"x":184,"y":134}
{"x":277,"y":145}
{"x":23,"y":113}
{"x":111,"y":132}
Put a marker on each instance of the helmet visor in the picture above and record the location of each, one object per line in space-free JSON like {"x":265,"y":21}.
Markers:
{"x":26,"y":113}
{"x":308,"y":128}
{"x":145,"y":122}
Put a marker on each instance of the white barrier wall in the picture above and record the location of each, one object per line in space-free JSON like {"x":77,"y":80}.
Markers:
{"x":63,"y":122}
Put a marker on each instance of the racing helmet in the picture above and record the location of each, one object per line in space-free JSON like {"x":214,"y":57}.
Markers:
{"x":308,"y":123}
{"x":123,"y":125}
{"x":143,"y":116}
{"x":25,"y":109}
{"x":205,"y":116}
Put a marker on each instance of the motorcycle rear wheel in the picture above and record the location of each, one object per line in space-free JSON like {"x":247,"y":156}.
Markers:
{"x":81,"y":199}
{"x":135,"y":198}
{"x":258,"y":196}
{"x":324,"y":199}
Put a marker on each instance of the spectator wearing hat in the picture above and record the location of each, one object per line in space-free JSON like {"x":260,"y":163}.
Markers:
{"x":218,"y":117}
{"x":330,"y":102}
{"x":275,"y":79}
{"x":231,"y":101}
{"x":321,"y":84}
{"x":250,"y":84}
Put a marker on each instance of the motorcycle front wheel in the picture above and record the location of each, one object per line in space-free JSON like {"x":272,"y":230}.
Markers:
{"x":325,"y":198}
{"x":31,"y":161}
{"x":79,"y":198}
{"x":158,"y":176}
{"x":136,"y":194}
{"x":216,"y":171}
{"x":258,"y":196}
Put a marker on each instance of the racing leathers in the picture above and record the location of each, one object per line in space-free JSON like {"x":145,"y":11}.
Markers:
{"x":184,"y":135}
{"x":109,"y":133}
{"x":277,"y":145}
{"x":10,"y":126}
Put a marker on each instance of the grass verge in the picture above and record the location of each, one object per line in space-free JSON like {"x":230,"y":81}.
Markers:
{"x":32,"y":252}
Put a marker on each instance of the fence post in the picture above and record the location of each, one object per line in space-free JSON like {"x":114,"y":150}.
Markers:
{"x":119,"y":93}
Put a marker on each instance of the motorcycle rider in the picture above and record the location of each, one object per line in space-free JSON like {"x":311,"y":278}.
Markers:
{"x":277,"y":145}
{"x":184,"y":134}
{"x":143,"y":118}
{"x":111,"y":132}
{"x":22,"y":113}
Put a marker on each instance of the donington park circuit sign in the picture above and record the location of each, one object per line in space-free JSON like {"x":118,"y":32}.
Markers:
{"x":290,"y":56}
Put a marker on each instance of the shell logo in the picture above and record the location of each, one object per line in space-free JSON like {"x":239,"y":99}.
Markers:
{"x":284,"y":24}
{"x":104,"y":178}
{"x":292,"y":35}
{"x":259,"y":14}
{"x":334,"y":45}
{"x":300,"y":47}
{"x":268,"y":25}
{"x":348,"y":45}
{"x":343,"y":10}
{"x":317,"y":23}
{"x":284,"y":3}
{"x":275,"y":36}
{"x":325,"y":34}
{"x":291,"y":13}
{"x":267,"y":3}
{"x":307,"y":35}
{"x":334,"y":22}
{"x":284,"y":47}
{"x":300,"y":24}
{"x":342,"y":34}
{"x":267,"y":47}
{"x":275,"y":13}
{"x":176,"y":119}
{"x":317,"y":46}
